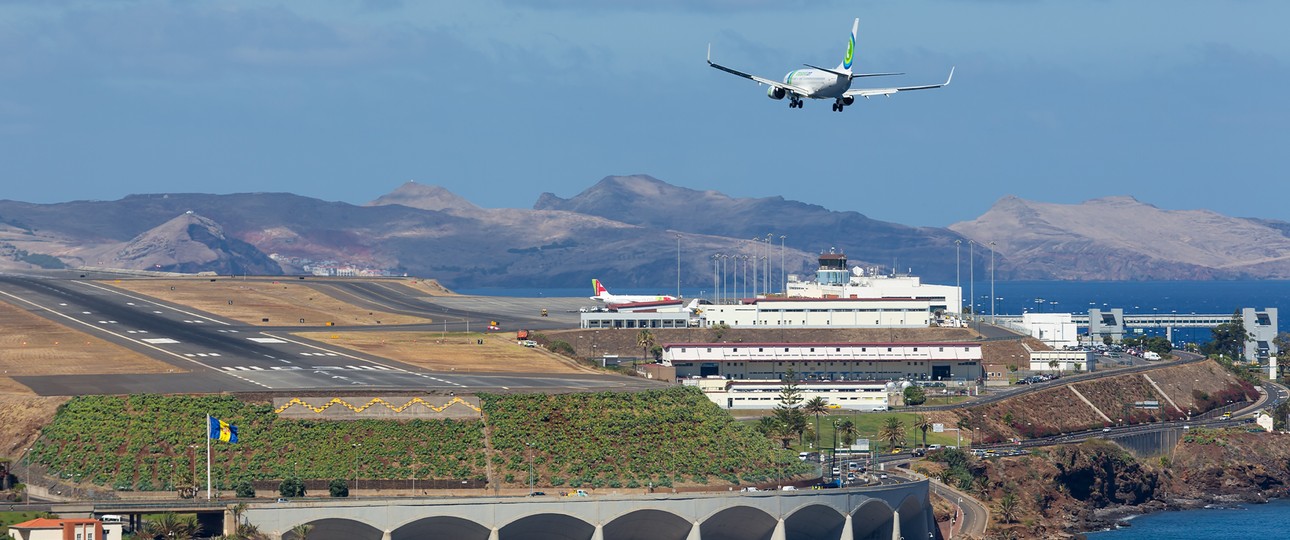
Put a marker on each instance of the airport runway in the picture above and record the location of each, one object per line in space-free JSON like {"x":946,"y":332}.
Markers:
{"x":225,"y":355}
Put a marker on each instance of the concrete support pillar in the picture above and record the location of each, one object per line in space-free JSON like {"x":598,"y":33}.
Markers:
{"x":895,"y":525}
{"x":779,"y":531}
{"x":599,"y":534}
{"x":694,"y":532}
{"x":847,"y":533}
{"x":230,"y":524}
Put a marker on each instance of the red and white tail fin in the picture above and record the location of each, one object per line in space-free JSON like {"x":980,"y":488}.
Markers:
{"x":599,"y":287}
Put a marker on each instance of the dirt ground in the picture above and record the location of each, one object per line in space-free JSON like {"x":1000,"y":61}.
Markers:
{"x":21,"y":418}
{"x":32,"y":345}
{"x":453,"y":351}
{"x":283,"y":303}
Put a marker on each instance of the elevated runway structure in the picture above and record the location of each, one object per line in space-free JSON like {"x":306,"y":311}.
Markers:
{"x":1261,"y":324}
{"x":888,"y":512}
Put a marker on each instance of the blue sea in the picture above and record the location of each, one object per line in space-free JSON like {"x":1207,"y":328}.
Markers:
{"x":1015,"y":297}
{"x":1270,"y":520}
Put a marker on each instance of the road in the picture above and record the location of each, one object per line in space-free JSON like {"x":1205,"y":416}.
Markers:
{"x":975,"y":515}
{"x":221,"y":355}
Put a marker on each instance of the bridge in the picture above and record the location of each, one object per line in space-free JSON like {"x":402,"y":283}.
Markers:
{"x":1261,"y":324}
{"x":888,"y":512}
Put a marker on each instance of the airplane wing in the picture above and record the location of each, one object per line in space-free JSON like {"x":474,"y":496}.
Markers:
{"x":770,"y":82}
{"x":867,"y":92}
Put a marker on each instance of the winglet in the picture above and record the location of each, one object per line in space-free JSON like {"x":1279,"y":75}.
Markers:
{"x":709,"y":54}
{"x":951,"y":77}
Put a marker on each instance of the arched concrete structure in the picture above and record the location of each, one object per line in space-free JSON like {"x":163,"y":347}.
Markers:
{"x":814,"y":521}
{"x":738,"y":523}
{"x":857,"y":513}
{"x":913,"y":521}
{"x":547,"y":527}
{"x":440,"y":528}
{"x":339,"y":529}
{"x":648,"y":524}
{"x":872,"y":521}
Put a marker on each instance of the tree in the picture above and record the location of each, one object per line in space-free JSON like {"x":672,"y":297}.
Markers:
{"x":1052,"y":364}
{"x":923,"y":423}
{"x":893,"y":431}
{"x":848,"y":431}
{"x":788,"y":411}
{"x":1228,"y":338}
{"x":171,"y":526}
{"x":292,"y":487}
{"x":244,"y":490}
{"x":645,"y":340}
{"x":914,"y":395}
{"x":301,"y":531}
{"x":338,"y":488}
{"x":1008,"y":507}
{"x":816,"y":406}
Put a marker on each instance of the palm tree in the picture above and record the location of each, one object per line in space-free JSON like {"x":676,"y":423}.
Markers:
{"x":301,"y":531}
{"x":171,"y":526}
{"x":1052,"y":364}
{"x":1008,"y":507}
{"x":849,"y":431}
{"x":923,"y":423}
{"x":645,"y":340}
{"x":893,"y":432}
{"x":816,"y":406}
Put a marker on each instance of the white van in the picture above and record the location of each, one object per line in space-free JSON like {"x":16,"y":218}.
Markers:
{"x":111,"y":518}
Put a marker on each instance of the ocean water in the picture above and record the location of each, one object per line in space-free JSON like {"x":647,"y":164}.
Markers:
{"x":1271,"y":520}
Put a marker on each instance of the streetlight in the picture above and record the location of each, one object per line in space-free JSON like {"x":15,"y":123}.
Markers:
{"x":530,"y":445}
{"x":356,"y":447}
{"x":972,"y":277}
{"x":716,"y":271}
{"x":769,"y":238}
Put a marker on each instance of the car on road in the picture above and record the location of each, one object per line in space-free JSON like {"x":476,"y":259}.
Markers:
{"x":882,"y":476}
{"x":1106,"y":429}
{"x":537,"y":494}
{"x":282,"y":500}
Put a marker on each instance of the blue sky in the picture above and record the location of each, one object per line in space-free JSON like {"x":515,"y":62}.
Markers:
{"x":1180,"y":103}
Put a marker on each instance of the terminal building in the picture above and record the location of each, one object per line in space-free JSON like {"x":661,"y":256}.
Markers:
{"x":834,"y":280}
{"x":849,"y":395}
{"x":948,"y":361}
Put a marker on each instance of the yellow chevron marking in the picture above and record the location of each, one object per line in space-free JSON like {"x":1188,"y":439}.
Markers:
{"x":375,"y":401}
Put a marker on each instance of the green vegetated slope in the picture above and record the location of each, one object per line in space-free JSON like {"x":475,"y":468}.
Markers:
{"x":152,"y":442}
{"x":155,"y":442}
{"x":660,"y":437}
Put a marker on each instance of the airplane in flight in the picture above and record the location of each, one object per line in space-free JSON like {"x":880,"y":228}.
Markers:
{"x":823,"y":83}
{"x":602,"y":295}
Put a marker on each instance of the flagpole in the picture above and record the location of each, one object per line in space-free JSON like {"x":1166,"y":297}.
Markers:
{"x":208,"y":456}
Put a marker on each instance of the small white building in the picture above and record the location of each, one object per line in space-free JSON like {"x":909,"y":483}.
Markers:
{"x":764,"y":394}
{"x":1057,"y":330}
{"x":1062,"y":361}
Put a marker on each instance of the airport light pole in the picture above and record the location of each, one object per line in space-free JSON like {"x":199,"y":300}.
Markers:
{"x":756,"y":263}
{"x":991,"y":282}
{"x":972,"y":276}
{"x":958,"y":281}
{"x":716,"y":271}
{"x":530,"y":445}
{"x":783,"y":274}
{"x":766,"y":286}
{"x":678,"y":265}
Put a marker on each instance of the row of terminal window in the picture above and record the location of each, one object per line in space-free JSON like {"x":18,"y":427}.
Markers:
{"x":835,"y":349}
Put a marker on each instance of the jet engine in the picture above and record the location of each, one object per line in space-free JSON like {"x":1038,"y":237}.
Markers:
{"x":776,"y":92}
{"x":848,"y":100}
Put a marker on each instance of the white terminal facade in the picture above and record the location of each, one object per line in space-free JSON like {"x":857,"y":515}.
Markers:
{"x":934,"y":361}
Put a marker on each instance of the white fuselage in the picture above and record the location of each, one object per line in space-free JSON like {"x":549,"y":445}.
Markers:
{"x":822,"y":84}
{"x":629,"y":298}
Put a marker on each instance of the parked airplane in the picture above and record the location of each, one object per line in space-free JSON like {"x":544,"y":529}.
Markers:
{"x":602,"y":295}
{"x":823,"y":83}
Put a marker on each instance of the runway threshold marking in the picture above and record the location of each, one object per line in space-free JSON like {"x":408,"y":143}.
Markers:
{"x":153,"y":302}
{"x":142,"y":343}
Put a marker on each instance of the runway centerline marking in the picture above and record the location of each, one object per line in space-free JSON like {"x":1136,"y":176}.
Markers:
{"x":142,"y":343}
{"x":153,"y":302}
{"x":329,"y":352}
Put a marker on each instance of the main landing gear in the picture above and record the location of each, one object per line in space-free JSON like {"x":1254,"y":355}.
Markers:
{"x":838,"y":106}
{"x":795,"y":102}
